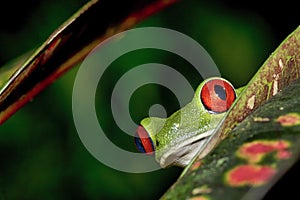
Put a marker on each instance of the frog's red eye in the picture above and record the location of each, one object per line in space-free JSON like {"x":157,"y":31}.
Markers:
{"x":143,"y":142}
{"x":217,"y":95}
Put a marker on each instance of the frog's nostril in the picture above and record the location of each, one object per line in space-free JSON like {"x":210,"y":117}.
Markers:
{"x":143,"y":141}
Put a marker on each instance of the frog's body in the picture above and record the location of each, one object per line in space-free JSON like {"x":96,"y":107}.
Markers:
{"x":179,"y":137}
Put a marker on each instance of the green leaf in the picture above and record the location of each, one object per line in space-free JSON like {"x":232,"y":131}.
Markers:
{"x":249,"y":159}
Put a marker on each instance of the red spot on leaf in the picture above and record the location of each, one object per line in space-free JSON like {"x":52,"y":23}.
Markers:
{"x":283,"y":154}
{"x":291,"y":119}
{"x":252,"y":175}
{"x":254,"y":151}
{"x":196,"y":165}
{"x":199,"y":198}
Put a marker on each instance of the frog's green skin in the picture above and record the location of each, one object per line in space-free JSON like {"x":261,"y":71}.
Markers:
{"x":179,"y":137}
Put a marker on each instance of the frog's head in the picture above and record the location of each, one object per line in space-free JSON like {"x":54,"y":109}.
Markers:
{"x":176,"y":139}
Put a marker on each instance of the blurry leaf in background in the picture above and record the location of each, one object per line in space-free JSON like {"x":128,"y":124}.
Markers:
{"x":28,"y":25}
{"x":237,"y":40}
{"x":42,"y":155}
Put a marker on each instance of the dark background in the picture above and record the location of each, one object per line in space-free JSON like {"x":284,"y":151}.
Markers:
{"x":41,"y":153}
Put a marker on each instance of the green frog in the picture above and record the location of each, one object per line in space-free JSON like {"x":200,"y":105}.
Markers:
{"x":177,"y":139}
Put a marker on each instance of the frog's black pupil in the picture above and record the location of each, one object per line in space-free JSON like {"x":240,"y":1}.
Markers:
{"x":220,"y":91}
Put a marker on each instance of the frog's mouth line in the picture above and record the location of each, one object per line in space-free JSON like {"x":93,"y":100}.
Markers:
{"x":182,"y":154}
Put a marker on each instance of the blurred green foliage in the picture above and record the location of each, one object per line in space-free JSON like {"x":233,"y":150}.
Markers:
{"x":41,"y":153}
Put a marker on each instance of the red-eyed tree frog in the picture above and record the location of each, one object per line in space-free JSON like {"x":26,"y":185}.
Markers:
{"x":176,"y":139}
